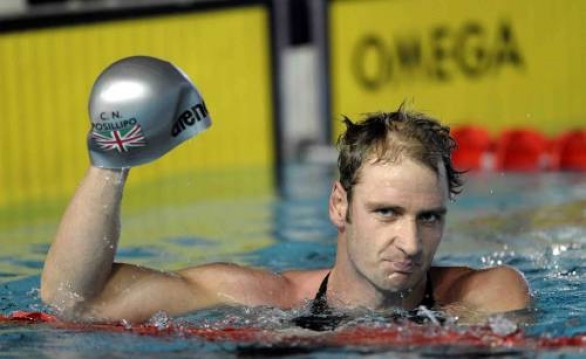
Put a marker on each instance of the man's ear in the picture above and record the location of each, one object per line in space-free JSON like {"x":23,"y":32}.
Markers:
{"x":338,"y":205}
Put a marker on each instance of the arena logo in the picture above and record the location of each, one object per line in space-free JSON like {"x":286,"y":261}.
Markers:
{"x":471,"y":50}
{"x":189,"y":117}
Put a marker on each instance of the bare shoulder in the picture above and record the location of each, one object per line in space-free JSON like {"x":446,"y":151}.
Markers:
{"x":496,"y":289}
{"x":228,"y":283}
{"x":306,"y":282}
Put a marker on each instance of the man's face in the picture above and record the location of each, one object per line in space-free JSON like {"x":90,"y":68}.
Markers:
{"x":396,"y":222}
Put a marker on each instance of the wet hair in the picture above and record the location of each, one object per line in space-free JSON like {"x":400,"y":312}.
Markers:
{"x":391,"y":137}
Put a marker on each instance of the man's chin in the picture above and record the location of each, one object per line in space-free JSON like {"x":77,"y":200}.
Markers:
{"x":401,"y":282}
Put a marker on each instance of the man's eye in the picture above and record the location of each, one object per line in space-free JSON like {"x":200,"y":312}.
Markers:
{"x":386,"y":212}
{"x":430,"y":218}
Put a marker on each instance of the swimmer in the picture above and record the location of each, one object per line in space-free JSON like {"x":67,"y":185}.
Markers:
{"x":389,"y":207}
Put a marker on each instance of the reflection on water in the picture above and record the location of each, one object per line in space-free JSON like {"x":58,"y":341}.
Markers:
{"x":536,"y":223}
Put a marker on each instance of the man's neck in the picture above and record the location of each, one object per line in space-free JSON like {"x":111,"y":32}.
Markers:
{"x":351,"y":290}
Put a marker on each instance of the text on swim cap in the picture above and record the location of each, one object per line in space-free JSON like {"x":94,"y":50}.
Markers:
{"x":188,"y":118}
{"x":104,"y":116}
{"x":114,"y":126}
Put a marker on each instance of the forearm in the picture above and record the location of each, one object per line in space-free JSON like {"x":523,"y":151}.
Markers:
{"x":80,"y":259}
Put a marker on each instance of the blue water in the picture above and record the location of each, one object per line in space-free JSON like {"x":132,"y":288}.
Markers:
{"x":536,"y":223}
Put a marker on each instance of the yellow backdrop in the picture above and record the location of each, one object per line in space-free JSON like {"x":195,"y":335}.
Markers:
{"x":46,"y":76}
{"x":498,"y":63}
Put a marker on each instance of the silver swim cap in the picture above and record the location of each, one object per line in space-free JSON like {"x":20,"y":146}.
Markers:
{"x":140,"y":108}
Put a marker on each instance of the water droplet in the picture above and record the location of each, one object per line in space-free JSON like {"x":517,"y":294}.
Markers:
{"x":34,"y":292}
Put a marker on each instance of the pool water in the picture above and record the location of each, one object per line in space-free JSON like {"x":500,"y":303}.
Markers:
{"x":535,"y":222}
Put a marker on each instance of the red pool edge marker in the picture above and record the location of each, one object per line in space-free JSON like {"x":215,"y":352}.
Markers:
{"x":29,"y":317}
{"x":211,"y":334}
{"x":568,"y":151}
{"x":522,"y":150}
{"x":400,"y":335}
{"x":474,"y":148}
{"x":518,"y":150}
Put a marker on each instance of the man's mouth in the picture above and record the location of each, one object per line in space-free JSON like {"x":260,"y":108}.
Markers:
{"x":404,"y":266}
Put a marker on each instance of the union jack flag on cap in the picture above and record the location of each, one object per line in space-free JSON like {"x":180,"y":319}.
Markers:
{"x":120,"y":140}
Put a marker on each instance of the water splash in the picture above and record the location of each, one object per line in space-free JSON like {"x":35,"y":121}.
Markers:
{"x":501,"y":325}
{"x":160,"y":320}
{"x":423,"y":311}
{"x":126,"y":324}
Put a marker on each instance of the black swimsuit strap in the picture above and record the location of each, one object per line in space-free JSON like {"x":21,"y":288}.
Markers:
{"x":320,"y":302}
{"x":322,"y":318}
{"x":428,"y":300}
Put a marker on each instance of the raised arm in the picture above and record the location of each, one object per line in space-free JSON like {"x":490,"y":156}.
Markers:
{"x":82,"y":282}
{"x":140,"y":108}
{"x":152,"y":107}
{"x":80,"y":259}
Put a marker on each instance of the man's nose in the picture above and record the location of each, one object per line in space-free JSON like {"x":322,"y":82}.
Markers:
{"x":408,"y":237}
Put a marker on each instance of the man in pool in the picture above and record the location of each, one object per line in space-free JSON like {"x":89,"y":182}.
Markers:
{"x":389,"y":208}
